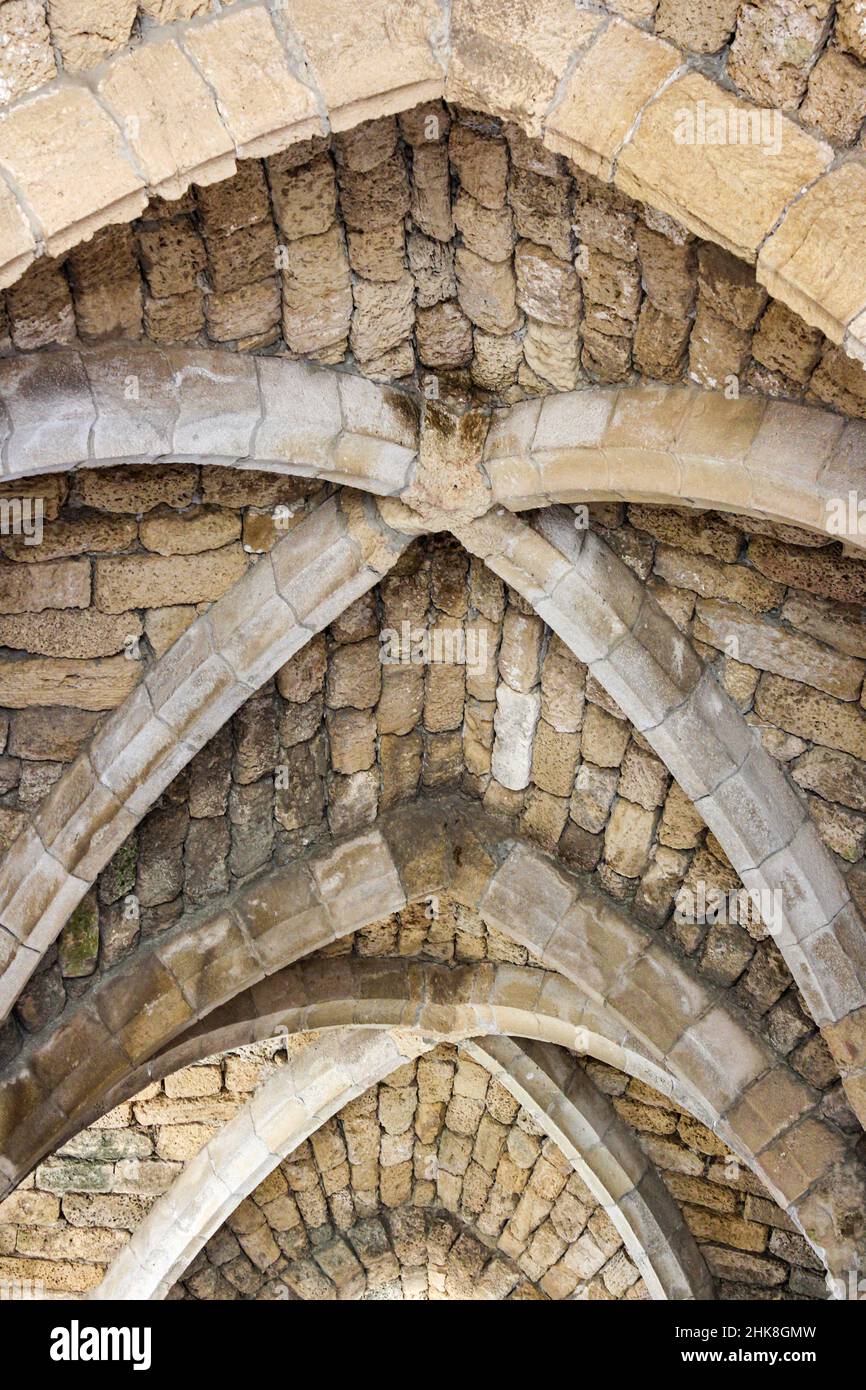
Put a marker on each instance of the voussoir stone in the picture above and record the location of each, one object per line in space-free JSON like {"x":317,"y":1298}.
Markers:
{"x":670,"y":163}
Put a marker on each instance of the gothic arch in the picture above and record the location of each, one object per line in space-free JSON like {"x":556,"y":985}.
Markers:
{"x":538,"y":68}
{"x":342,"y":1063}
{"x":223,"y":980}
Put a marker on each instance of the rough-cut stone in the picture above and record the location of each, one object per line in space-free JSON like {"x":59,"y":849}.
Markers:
{"x":145,"y":581}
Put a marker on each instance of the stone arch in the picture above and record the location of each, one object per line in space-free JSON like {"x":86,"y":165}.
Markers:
{"x":678,"y":445}
{"x":590,"y":598}
{"x":572,"y":1110}
{"x":668,"y":1028}
{"x":341,"y":1064}
{"x":337,"y":553}
{"x":127,"y":403}
{"x":648,"y":443}
{"x":542,"y":73}
{"x":282,"y":1113}
{"x":599,"y":609}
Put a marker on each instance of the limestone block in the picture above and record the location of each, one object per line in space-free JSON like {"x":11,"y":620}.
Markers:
{"x":444,"y":336}
{"x":836,"y":98}
{"x":87,"y":33}
{"x":819,"y":572}
{"x":262,"y":103}
{"x":481,"y":164}
{"x":603,"y":738}
{"x":509,"y":64}
{"x":354,"y":675}
{"x":594,"y":791}
{"x":811,"y":714}
{"x":849,"y":28}
{"x":712,"y":579}
{"x":54,"y":585}
{"x":771,"y":648}
{"x":671,"y":165}
{"x":70,"y":632}
{"x":27,"y":57}
{"x":317,"y":294}
{"x":834,"y":775}
{"x":84,"y":684}
{"x":383,"y":317}
{"x":487,"y":292}
{"x":42,"y":145}
{"x":541,"y":206}
{"x":432,"y":267}
{"x":431,"y":192}
{"x":827,"y":288}
{"x":486,"y":231}
{"x":141,"y":87}
{"x":378,"y":254}
{"x":304,"y":197}
{"x":17,"y":242}
{"x":517,"y":715}
{"x":551,"y":351}
{"x":774,"y":48}
{"x":547,"y":287}
{"x":590,"y":132}
{"x":145,"y":581}
{"x":702,"y":29}
{"x":363,"y":147}
{"x":371,"y":62}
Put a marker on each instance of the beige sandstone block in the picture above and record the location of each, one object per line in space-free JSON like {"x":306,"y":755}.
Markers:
{"x":17,"y":242}
{"x":814,"y":260}
{"x":87,"y":685}
{"x":168,"y":532}
{"x":87,"y":31}
{"x":26,"y":55}
{"x":591,"y":131}
{"x":628,"y":838}
{"x":34,"y":588}
{"x":486,"y":290}
{"x":481,"y":162}
{"x":812,"y":715}
{"x":369,"y":60}
{"x":508,"y":60}
{"x":710,"y":578}
{"x":836,"y":99}
{"x":731,"y":193}
{"x":850,"y":33}
{"x":169,"y":117}
{"x":262,"y":103}
{"x":88,"y":531}
{"x":65,"y":154}
{"x":305,"y":198}
{"x":155,"y":581}
{"x":701,"y":27}
{"x":70,"y":632}
{"x":760,"y":644}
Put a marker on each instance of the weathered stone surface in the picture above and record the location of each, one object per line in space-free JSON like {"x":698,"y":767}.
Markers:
{"x":84,"y":685}
{"x":145,"y":581}
{"x":590,"y":131}
{"x":757,"y":643}
{"x":812,"y":715}
{"x":57,"y":584}
{"x":71,"y":632}
{"x":688,"y":187}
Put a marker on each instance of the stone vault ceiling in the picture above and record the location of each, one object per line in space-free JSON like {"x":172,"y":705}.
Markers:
{"x":432,"y":652}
